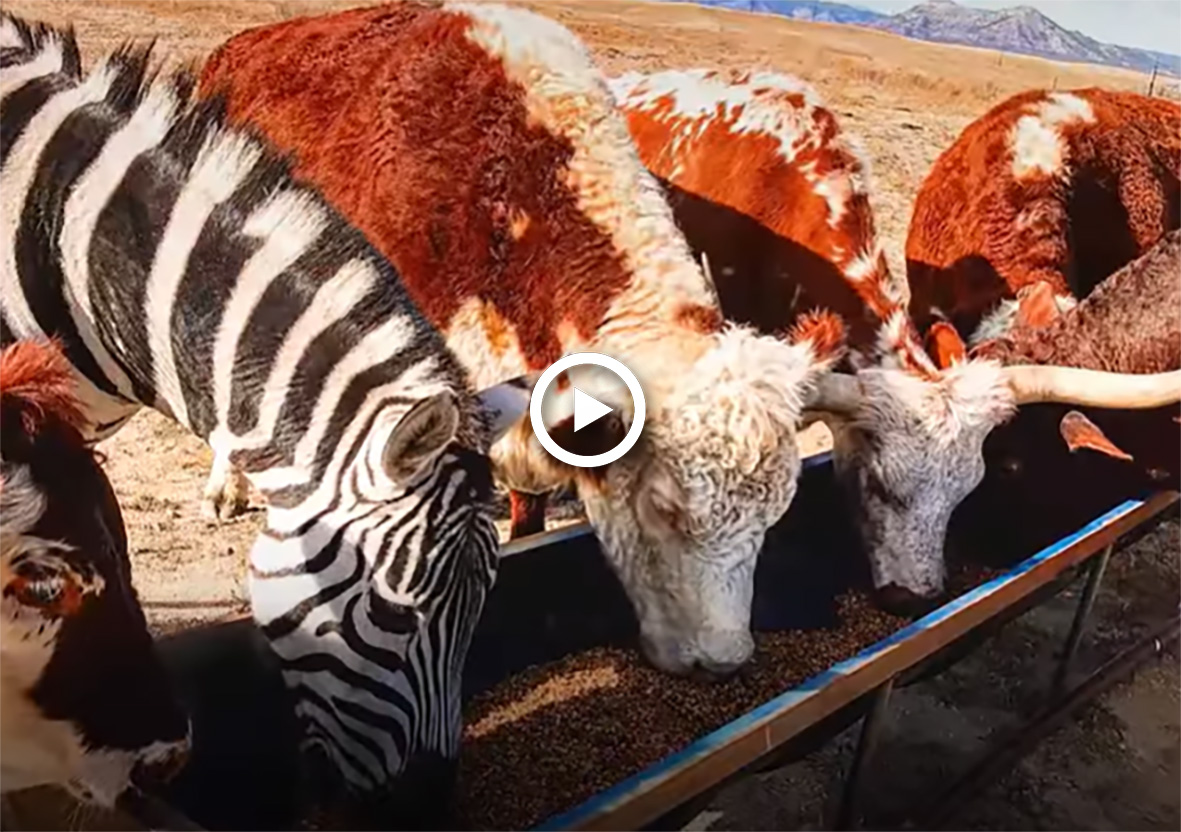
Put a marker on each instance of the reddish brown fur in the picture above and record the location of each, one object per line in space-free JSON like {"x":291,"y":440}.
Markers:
{"x":1035,"y":306}
{"x":945,"y":345}
{"x":1128,"y":324}
{"x":759,"y":220}
{"x":377,"y":105}
{"x":825,"y":329}
{"x":37,"y":387}
{"x":978,"y":233}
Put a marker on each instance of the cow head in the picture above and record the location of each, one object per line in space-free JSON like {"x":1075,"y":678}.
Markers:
{"x":682,"y":516}
{"x":909,"y":449}
{"x":85,"y":701}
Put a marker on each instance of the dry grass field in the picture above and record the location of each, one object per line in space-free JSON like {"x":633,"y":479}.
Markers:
{"x":907,"y":100}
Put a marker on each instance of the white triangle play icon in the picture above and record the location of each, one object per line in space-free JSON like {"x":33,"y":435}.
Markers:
{"x":587,"y":409}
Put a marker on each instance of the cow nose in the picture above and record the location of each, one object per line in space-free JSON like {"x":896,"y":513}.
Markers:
{"x":900,"y":601}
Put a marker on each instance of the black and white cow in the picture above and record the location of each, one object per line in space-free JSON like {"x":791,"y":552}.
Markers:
{"x":84,"y":700}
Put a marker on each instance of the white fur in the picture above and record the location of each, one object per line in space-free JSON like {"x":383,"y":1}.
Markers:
{"x":484,"y":355}
{"x":48,"y":61}
{"x":1000,"y":320}
{"x":1036,"y":139}
{"x":222,"y":164}
{"x":10,"y":36}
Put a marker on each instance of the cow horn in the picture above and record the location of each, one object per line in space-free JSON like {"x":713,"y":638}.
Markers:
{"x":705,"y":268}
{"x":1093,"y":388}
{"x":835,"y":393}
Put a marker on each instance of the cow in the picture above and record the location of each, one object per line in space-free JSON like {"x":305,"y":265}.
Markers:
{"x":84,"y":699}
{"x":771,"y":192}
{"x":910,"y":446}
{"x":1069,"y":465}
{"x":1058,"y":187}
{"x":480,"y":149}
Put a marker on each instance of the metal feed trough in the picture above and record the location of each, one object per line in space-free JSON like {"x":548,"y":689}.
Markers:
{"x":556,"y":595}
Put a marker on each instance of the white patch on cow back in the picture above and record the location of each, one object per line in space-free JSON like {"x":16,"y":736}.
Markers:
{"x":1036,"y":139}
{"x":565,"y":93}
{"x":758,"y":103}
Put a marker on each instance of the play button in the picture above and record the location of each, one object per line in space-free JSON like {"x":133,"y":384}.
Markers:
{"x":606,"y":377}
{"x":587,"y":409}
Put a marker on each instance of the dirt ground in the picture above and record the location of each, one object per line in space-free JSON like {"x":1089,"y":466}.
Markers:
{"x":1116,"y":767}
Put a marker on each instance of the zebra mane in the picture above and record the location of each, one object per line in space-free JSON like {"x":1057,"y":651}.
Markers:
{"x":134,"y":75}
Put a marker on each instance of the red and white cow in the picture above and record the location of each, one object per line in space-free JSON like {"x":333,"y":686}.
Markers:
{"x":911,"y":446}
{"x":84,"y":700}
{"x":769,"y":189}
{"x":479,"y":148}
{"x":1062,"y":187}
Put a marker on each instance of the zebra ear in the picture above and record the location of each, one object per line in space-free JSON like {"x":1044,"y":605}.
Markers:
{"x":422,"y":435}
{"x":506,"y":403}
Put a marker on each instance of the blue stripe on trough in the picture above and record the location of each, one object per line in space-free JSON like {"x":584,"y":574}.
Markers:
{"x":703,"y":747}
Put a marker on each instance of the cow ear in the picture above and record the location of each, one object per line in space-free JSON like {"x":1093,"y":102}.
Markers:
{"x":420,"y":436}
{"x":1081,"y":432}
{"x":1036,"y":307}
{"x":945,"y":345}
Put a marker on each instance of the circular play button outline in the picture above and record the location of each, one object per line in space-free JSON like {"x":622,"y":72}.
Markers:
{"x":639,"y":409}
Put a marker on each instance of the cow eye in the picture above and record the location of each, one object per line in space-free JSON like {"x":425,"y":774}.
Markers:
{"x":38,"y":585}
{"x":35,"y":593}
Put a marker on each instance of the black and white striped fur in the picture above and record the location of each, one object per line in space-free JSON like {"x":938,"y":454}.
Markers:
{"x":183,"y":270}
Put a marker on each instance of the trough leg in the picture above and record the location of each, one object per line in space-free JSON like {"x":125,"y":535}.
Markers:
{"x":1094,"y":577}
{"x":849,"y":813}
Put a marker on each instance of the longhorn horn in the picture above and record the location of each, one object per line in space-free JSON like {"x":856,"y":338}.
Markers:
{"x":1092,"y":388}
{"x":838,"y":393}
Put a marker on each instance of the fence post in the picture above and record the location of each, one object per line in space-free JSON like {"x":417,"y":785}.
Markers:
{"x":1152,"y":80}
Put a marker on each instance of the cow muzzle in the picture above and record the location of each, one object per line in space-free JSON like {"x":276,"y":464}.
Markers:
{"x":900,"y":601}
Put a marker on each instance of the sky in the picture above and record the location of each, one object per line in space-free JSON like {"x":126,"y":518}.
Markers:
{"x":1148,"y":24}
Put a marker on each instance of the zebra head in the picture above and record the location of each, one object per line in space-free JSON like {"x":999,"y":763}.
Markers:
{"x":183,"y":269}
{"x":371,"y":600}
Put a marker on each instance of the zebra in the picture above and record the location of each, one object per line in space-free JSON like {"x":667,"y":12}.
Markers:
{"x":184,"y":270}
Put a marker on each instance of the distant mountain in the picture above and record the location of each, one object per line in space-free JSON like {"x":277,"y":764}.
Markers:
{"x":1020,"y":29}
{"x":824,"y":12}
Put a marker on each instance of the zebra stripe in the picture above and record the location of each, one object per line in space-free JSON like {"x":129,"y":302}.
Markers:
{"x":184,"y":270}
